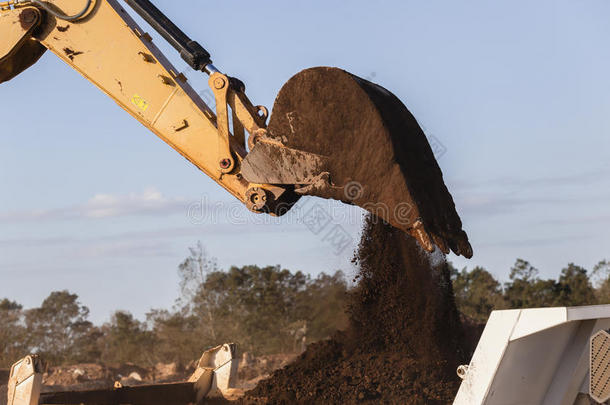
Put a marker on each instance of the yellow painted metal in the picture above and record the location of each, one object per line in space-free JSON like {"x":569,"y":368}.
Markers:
{"x":5,"y":5}
{"x":220,"y":86}
{"x":14,"y":32}
{"x":109,"y":49}
{"x":18,"y":50}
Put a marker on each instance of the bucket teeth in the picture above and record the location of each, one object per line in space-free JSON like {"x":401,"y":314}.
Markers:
{"x":440,"y":242}
{"x":423,"y":238}
{"x":464,"y":246}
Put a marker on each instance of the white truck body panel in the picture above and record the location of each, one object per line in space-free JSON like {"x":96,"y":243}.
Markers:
{"x":533,"y":356}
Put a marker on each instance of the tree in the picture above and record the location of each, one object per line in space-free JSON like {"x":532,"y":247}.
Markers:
{"x":127,"y":340}
{"x":193,"y":272}
{"x":324,"y":306}
{"x":601,"y":277}
{"x":177,"y":336}
{"x":575,"y":287}
{"x":477,"y":293}
{"x":524,"y":271}
{"x":252,"y":305}
{"x":526,"y":290}
{"x":59,"y":327}
{"x":12,"y":333}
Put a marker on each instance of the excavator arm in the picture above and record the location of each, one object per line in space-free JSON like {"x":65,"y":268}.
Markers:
{"x":109,"y":49}
{"x":331,"y":134}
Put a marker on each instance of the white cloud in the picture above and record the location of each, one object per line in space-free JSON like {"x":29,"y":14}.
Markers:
{"x":125,"y":249}
{"x":149,"y":201}
{"x":101,"y":206}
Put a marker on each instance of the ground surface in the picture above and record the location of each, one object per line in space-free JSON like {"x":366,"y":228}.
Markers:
{"x":95,"y":376}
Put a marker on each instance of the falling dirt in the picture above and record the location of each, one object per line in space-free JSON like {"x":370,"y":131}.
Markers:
{"x":377,"y":155}
{"x":404,"y":341}
{"x":405,"y":338}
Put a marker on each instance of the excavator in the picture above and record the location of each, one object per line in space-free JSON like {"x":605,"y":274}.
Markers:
{"x":330,"y":134}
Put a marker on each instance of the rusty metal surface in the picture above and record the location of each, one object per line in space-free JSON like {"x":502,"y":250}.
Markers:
{"x":161,"y":394}
{"x":273,"y":164}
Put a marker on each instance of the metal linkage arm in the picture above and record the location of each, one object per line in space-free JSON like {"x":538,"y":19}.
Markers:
{"x":191,"y":51}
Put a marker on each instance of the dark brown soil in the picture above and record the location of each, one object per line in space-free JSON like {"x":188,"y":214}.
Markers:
{"x":404,"y":340}
{"x":377,"y":155}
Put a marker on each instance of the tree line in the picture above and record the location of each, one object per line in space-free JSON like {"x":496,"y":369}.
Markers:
{"x":265,"y":310}
{"x":477,"y":292}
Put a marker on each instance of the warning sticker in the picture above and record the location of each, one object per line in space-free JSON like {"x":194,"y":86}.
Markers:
{"x":139,"y":102}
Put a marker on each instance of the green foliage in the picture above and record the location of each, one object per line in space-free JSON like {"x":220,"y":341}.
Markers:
{"x":127,"y":340}
{"x":176,"y":336}
{"x":268,"y":310}
{"x":601,"y":277}
{"x":324,"y":300}
{"x":59,"y":327}
{"x":526,"y":290}
{"x":12,"y":332}
{"x":575,"y":287}
{"x":477,"y":293}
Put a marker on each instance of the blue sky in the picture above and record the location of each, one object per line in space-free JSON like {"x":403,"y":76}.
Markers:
{"x":516,"y":92}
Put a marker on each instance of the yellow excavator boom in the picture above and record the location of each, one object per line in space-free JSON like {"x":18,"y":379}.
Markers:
{"x":110,"y":50}
{"x":332,"y":134}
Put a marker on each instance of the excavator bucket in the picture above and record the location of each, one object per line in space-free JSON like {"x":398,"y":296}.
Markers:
{"x":334,"y":135}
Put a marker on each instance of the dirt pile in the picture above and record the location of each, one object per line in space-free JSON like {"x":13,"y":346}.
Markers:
{"x":404,"y":340}
{"x":86,"y":375}
{"x":253,"y":369}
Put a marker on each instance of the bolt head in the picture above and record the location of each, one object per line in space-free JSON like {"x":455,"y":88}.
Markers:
{"x":219,"y":83}
{"x":225,"y":163}
{"x":28,"y":16}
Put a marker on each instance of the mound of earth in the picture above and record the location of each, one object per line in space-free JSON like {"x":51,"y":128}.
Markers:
{"x":253,"y":369}
{"x":404,"y":341}
{"x":90,"y":375}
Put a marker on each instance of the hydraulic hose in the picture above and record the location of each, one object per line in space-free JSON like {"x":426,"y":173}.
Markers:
{"x":61,"y":15}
